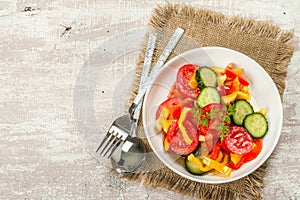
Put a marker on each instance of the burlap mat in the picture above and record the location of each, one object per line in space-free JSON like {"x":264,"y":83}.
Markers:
{"x":263,"y":42}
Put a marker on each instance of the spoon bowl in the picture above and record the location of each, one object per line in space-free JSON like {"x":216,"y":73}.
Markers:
{"x":129,"y":156}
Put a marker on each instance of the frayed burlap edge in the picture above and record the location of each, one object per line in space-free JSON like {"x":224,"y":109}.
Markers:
{"x":248,"y":187}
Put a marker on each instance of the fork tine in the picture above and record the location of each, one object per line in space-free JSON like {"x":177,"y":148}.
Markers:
{"x":107,"y":142}
{"x":107,"y":136}
{"x":115,"y":146}
{"x":110,"y":145}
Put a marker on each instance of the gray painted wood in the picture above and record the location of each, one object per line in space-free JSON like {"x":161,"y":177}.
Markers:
{"x":43,"y":46}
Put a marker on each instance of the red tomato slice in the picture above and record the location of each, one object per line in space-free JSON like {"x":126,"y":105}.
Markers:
{"x":174,"y":107}
{"x":184,"y":74}
{"x":254,"y":152}
{"x":186,"y":91}
{"x":249,"y":156}
{"x":177,"y":142}
{"x":238,"y":140}
{"x":172,"y":130}
{"x":174,"y":92}
{"x":211,"y":106}
{"x":224,"y":147}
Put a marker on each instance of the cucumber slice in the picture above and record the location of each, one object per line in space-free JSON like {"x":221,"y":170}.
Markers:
{"x":192,"y":167}
{"x":205,"y":77}
{"x":207,"y":96}
{"x":242,"y":108}
{"x":256,"y":124}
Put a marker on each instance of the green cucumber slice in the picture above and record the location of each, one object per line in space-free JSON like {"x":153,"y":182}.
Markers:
{"x":207,"y":96}
{"x":256,"y":124}
{"x":192,"y":167}
{"x":205,"y":77}
{"x":242,"y":108}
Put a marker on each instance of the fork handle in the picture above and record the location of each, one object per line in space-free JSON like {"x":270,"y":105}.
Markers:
{"x":156,"y":69}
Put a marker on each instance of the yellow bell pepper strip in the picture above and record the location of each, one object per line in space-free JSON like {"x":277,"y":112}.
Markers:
{"x":161,"y":120}
{"x":193,"y":82}
{"x":218,"y":70}
{"x":244,"y":89}
{"x":220,"y":156}
{"x":235,"y":158}
{"x":263,"y":111}
{"x":182,"y":117}
{"x":201,"y":138}
{"x":166,"y":144}
{"x":228,"y":99}
{"x":234,"y":86}
{"x":242,"y":95}
{"x":197,"y":161}
{"x":221,"y":80}
{"x":167,"y":124}
{"x":249,"y":156}
{"x":230,"y":66}
{"x":225,"y":159}
{"x":223,"y":169}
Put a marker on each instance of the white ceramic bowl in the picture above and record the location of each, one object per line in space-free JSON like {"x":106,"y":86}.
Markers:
{"x":264,"y":95}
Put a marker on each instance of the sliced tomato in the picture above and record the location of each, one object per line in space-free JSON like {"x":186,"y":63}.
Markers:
{"x":238,"y":140}
{"x":173,"y":105}
{"x":185,"y":73}
{"x":209,"y":107}
{"x":249,"y":156}
{"x":172,"y":130}
{"x":174,"y":92}
{"x":254,"y":152}
{"x":186,"y":91}
{"x":177,"y":142}
{"x":224,"y":147}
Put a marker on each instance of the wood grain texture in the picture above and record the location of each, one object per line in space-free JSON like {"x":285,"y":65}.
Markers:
{"x":44,"y":45}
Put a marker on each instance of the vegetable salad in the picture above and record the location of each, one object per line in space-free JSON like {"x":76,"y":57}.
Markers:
{"x":208,"y":119}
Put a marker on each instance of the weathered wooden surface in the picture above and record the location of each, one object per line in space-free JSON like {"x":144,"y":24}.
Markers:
{"x":43,"y":46}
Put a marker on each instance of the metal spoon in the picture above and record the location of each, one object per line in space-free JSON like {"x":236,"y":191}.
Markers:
{"x":131,"y":155}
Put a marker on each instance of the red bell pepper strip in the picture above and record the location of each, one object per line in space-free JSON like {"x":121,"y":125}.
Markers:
{"x":215,"y":151}
{"x":224,"y":147}
{"x":249,"y":156}
{"x":230,"y":74}
{"x":234,"y":86}
{"x":243,"y":80}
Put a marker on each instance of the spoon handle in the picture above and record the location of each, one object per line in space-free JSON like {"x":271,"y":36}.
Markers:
{"x":144,"y":75}
{"x":157,"y":67}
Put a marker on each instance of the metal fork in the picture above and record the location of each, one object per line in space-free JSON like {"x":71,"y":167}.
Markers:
{"x":121,"y":128}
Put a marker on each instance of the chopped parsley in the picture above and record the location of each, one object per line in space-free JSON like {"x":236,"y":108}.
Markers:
{"x":231,"y":109}
{"x":203,"y":121}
